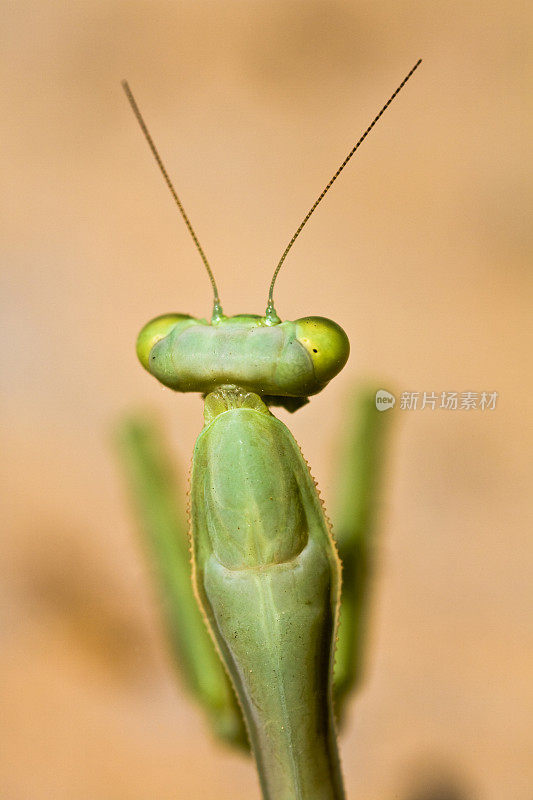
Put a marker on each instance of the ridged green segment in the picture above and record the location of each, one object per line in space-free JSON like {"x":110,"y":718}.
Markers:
{"x":267,"y":576}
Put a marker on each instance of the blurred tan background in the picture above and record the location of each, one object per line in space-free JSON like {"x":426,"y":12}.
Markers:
{"x":419,"y":252}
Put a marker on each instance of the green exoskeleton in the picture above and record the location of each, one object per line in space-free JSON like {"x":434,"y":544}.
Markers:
{"x":266,"y":571}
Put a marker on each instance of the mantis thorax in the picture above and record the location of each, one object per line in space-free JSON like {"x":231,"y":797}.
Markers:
{"x":229,"y":397}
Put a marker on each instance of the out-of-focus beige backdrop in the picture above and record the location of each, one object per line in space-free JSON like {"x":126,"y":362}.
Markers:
{"x":419,"y":252}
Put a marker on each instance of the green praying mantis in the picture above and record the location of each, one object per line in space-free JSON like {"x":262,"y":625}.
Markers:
{"x":266,"y":570}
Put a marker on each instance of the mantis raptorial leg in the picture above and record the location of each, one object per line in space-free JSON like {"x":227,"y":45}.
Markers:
{"x":152,"y":484}
{"x":266,"y":572}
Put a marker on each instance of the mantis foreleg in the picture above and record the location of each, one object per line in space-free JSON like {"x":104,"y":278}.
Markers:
{"x":268,"y":577}
{"x":152,"y":485}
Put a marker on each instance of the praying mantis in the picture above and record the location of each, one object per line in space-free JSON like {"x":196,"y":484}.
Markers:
{"x":266,"y":570}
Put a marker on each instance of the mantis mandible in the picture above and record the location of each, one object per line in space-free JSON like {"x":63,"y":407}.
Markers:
{"x":265,"y":567}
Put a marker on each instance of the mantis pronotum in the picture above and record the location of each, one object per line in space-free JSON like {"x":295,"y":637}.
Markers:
{"x":266,"y":572}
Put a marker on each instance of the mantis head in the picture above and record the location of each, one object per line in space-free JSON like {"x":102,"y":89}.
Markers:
{"x":288,"y":359}
{"x":264,"y":355}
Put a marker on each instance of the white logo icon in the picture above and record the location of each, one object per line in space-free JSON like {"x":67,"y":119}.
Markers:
{"x":384,"y":400}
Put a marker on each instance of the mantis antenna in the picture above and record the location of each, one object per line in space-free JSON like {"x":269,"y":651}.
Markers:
{"x":217,"y":308}
{"x":270,"y":314}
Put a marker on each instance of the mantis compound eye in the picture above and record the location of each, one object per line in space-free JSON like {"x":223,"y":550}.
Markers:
{"x":153,"y":331}
{"x":326,"y":343}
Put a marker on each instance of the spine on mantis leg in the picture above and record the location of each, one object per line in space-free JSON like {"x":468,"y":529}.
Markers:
{"x":267,"y":576}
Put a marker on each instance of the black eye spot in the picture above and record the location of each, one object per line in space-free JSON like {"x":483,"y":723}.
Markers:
{"x":315,"y":350}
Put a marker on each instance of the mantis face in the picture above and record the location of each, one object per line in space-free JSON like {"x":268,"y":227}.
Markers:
{"x":260,"y":354}
{"x":288,"y":359}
